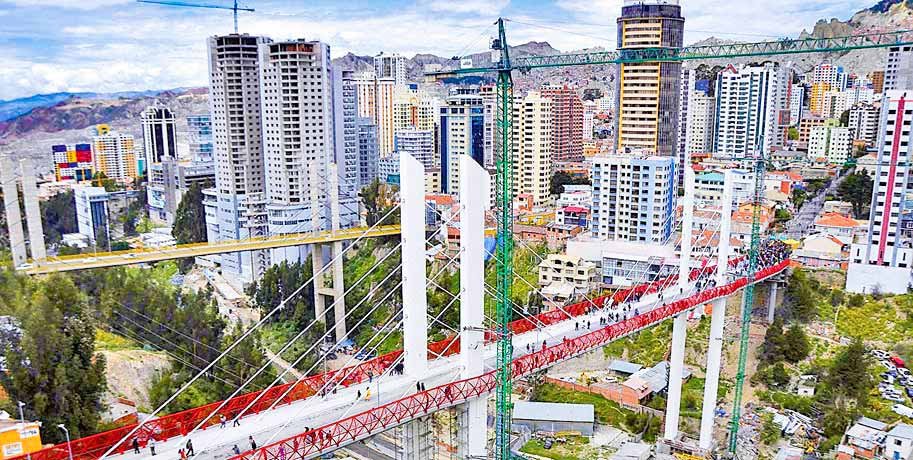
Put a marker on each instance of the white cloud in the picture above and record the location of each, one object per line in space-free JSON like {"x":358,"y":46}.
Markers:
{"x":69,"y":4}
{"x":482,"y":7}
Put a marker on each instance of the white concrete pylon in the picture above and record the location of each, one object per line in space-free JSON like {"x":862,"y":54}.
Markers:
{"x":415,"y":301}
{"x":32,"y":211}
{"x":680,"y":323}
{"x":715,"y":347}
{"x":472,"y":309}
{"x":13,"y":215}
{"x":772,"y":302}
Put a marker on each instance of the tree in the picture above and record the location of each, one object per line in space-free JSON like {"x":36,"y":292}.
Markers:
{"x":856,"y":301}
{"x":378,"y":199}
{"x":845,"y":118}
{"x":798,"y":197}
{"x":849,"y":374}
{"x":190,"y":217}
{"x":856,"y":189}
{"x":793,"y":133}
{"x":278,"y":283}
{"x":771,"y":349}
{"x":562,"y":178}
{"x":800,"y":296}
{"x":101,"y":179}
{"x":58,"y":216}
{"x":770,"y":431}
{"x":795,"y":344}
{"x":51,"y":365}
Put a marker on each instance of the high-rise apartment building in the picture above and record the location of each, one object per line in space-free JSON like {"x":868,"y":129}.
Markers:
{"x":115,"y":156}
{"x":898,"y":73}
{"x":419,"y":143}
{"x":589,"y":115}
{"x":687,"y":87}
{"x":633,"y":197}
{"x":863,"y":120}
{"x":199,"y":137}
{"x":648,"y":92}
{"x":345,"y":132}
{"x":391,"y":66}
{"x":462,"y":132}
{"x":700,"y":123}
{"x":884,"y":259}
{"x":749,"y":108}
{"x":796,"y":104}
{"x":414,"y":108}
{"x":816,"y":97}
{"x":489,"y":104}
{"x":833,"y":143}
{"x":366,"y":93}
{"x":567,"y":123}
{"x":159,"y":136}
{"x":384,"y":95}
{"x":236,"y":208}
{"x":309,"y":121}
{"x":367,"y":151}
{"x":531,"y":142}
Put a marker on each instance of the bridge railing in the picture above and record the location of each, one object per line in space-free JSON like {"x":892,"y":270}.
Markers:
{"x":179,"y":423}
{"x":370,"y":422}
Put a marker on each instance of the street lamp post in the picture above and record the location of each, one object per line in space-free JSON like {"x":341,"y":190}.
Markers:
{"x":67,"y":433}
{"x":22,"y":418}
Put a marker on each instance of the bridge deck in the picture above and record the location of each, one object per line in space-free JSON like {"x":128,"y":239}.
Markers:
{"x":150,"y":255}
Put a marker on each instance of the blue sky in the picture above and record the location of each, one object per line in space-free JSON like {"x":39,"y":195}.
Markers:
{"x":116,"y":45}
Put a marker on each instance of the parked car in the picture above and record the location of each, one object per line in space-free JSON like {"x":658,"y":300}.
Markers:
{"x":881,"y":354}
{"x":900,"y":409}
{"x":897,"y":361}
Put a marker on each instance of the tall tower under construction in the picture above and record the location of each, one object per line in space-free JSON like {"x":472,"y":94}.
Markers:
{"x":648,"y":92}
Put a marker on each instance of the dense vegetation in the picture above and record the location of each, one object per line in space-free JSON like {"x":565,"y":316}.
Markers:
{"x":49,"y":354}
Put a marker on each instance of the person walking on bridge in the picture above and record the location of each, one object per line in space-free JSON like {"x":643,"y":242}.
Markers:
{"x":189,"y":447}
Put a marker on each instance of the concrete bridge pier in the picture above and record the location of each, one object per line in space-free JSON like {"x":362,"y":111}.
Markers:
{"x":680,"y":323}
{"x":715,"y":347}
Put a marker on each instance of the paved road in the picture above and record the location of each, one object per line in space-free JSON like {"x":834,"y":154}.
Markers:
{"x":803,"y":222}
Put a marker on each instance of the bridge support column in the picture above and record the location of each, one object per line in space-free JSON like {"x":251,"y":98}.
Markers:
{"x":13,"y":214}
{"x":680,"y":323}
{"x":32,"y":212}
{"x":418,"y":436}
{"x":415,"y":301}
{"x":473,"y":429}
{"x":771,"y":302}
{"x":328,"y":285}
{"x":715,"y":347}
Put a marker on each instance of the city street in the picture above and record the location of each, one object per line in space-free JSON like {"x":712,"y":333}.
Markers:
{"x":803,"y":222}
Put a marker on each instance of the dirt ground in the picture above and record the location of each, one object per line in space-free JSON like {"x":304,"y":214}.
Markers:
{"x":130,"y":372}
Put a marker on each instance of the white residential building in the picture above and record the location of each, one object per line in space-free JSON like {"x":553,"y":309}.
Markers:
{"x":589,"y":115}
{"x":418,"y":143}
{"x":701,"y":112}
{"x":532,"y":142}
{"x":863,"y":121}
{"x":308,"y":123}
{"x":391,"y":66}
{"x":633,"y":197}
{"x":91,"y":212}
{"x":796,"y":104}
{"x":236,"y":208}
{"x":159,"y":136}
{"x":882,"y":259}
{"x":414,"y":108}
{"x":833,"y":143}
{"x":748,"y":109}
{"x":898,"y":73}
